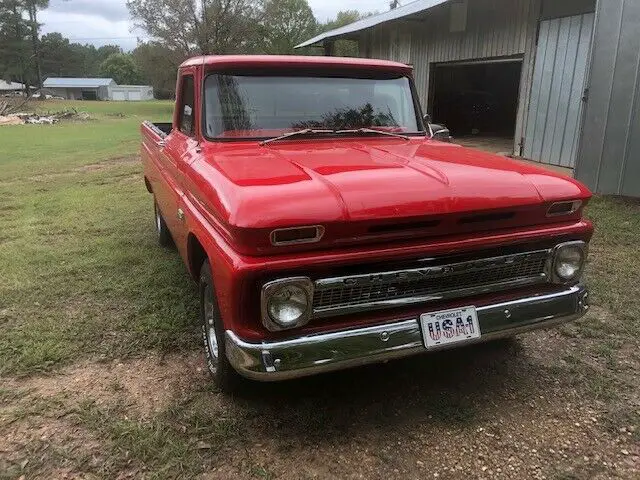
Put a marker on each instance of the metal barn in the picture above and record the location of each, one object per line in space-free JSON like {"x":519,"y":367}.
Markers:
{"x":557,"y":79}
{"x":79,"y":88}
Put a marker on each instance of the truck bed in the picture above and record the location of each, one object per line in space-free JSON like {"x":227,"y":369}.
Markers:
{"x":162,"y":129}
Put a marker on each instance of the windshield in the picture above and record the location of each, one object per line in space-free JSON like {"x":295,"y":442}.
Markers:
{"x":245,"y":106}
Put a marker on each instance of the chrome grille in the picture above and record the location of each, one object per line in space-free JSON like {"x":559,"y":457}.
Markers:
{"x":349,"y":294}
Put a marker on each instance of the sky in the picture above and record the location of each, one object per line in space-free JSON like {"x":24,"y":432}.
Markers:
{"x":102,"y":22}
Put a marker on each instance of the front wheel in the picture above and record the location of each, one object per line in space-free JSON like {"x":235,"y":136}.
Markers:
{"x":223,"y":374}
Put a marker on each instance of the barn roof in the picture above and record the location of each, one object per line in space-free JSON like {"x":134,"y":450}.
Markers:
{"x":57,"y":82}
{"x":407,"y":10}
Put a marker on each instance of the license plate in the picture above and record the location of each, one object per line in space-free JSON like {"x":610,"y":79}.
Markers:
{"x":449,"y":326}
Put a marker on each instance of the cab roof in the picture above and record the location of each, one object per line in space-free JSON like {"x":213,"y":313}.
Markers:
{"x":293,"y":61}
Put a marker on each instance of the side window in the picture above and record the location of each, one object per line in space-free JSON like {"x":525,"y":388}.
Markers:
{"x":187,"y":111}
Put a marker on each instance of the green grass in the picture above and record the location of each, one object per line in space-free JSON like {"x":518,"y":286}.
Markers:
{"x":615,"y":262}
{"x":80,"y":264}
{"x":171,"y":445}
{"x":83,"y":279}
{"x":38,"y":149}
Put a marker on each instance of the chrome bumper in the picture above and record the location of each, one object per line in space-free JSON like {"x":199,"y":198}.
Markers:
{"x":324,"y":352}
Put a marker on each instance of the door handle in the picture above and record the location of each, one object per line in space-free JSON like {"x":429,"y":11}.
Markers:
{"x":161,"y":144}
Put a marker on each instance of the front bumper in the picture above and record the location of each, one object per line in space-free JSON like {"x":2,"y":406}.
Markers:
{"x":324,"y":352}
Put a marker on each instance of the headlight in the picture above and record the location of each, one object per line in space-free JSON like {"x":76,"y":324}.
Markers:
{"x":568,"y":261}
{"x":287,"y":303}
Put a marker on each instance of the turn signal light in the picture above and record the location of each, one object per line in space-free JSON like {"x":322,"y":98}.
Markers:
{"x":564,"y":208}
{"x":297,"y":235}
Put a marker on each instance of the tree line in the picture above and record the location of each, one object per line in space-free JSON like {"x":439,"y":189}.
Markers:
{"x":177,"y":30}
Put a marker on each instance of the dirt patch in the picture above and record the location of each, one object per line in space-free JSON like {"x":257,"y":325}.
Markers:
{"x":42,"y":431}
{"x":146,"y":386}
{"x":47,"y":448}
{"x":496,"y":411}
{"x":126,"y":160}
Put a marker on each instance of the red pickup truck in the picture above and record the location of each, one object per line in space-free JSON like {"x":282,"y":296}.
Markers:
{"x":328,"y":227}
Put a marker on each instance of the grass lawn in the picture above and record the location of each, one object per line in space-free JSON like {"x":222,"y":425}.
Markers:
{"x":75,"y":218}
{"x":101,"y":374}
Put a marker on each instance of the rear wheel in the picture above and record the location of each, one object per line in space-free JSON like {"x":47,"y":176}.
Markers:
{"x":223,"y":374}
{"x":164,"y":237}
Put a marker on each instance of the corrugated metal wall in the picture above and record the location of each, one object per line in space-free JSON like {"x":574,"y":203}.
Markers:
{"x":609,"y":157}
{"x":555,"y":109}
{"x":495,"y":28}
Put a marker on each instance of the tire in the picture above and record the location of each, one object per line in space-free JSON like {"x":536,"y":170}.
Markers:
{"x":162,"y":231}
{"x":222,"y":373}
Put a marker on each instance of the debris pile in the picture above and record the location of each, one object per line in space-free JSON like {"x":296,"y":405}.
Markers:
{"x":37,"y":119}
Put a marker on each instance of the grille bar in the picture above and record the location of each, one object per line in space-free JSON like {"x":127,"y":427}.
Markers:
{"x":356,"y":293}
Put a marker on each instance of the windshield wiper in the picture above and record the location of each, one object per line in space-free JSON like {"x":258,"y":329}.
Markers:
{"x":306,"y":131}
{"x":372,"y":130}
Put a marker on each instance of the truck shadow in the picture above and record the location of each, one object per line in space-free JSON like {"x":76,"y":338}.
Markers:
{"x":456,"y":387}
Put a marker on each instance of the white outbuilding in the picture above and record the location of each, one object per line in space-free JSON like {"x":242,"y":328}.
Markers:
{"x":97,"y":89}
{"x":130,"y":93}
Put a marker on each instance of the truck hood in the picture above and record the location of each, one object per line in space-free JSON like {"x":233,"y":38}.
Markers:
{"x":305,"y":182}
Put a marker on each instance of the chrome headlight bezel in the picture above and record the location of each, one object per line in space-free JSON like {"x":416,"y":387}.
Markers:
{"x":305,"y":284}
{"x":582,"y":248}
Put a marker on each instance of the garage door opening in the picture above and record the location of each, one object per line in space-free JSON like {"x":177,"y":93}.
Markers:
{"x":89,"y":95}
{"x":478,"y":101}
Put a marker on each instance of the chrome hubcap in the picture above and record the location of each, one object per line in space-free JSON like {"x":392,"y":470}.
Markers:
{"x":212,"y":340}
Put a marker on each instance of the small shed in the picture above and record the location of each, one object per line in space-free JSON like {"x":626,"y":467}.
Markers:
{"x":79,"y":88}
{"x":130,"y":93}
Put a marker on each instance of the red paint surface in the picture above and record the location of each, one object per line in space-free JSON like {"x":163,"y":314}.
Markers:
{"x":367,"y":192}
{"x":223,"y":62}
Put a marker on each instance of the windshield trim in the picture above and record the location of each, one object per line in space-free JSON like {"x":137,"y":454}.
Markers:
{"x":203,"y":113}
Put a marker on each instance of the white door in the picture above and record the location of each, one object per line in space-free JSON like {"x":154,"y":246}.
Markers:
{"x":555,"y":108}
{"x":119,"y":96}
{"x":135,"y":96}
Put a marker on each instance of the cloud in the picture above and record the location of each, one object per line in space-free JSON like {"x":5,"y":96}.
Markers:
{"x":91,"y":21}
{"x":110,"y":10}
{"x":327,"y":9}
{"x":107,"y":22}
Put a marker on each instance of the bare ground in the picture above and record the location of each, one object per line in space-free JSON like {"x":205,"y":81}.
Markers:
{"x":512,"y":409}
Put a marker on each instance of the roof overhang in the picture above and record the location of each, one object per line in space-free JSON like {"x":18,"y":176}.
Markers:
{"x":408,"y":10}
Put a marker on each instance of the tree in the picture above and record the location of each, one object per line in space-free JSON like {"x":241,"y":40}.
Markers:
{"x":60,"y":58}
{"x":122,"y":68}
{"x":57,"y":57}
{"x":187,"y":27}
{"x":13,"y":42}
{"x":158,"y":66}
{"x":20,"y":40}
{"x":32,"y":7}
{"x":285,"y":24}
{"x":105,"y":51}
{"x":344,"y":48}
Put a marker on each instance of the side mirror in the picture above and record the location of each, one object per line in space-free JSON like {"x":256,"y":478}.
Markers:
{"x":440,"y":133}
{"x":427,"y":118}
